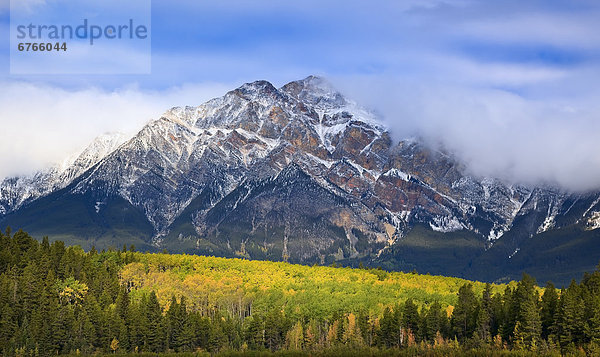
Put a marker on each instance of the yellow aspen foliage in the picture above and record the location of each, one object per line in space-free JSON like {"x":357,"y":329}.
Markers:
{"x":114,"y":345}
{"x":241,"y":287}
{"x":294,"y":338}
{"x":498,"y":342}
{"x":352,"y":335}
{"x":132,"y":275}
{"x":449,"y":310}
{"x":71,"y":291}
{"x":332,"y":333}
{"x":439,"y":340}
{"x":518,"y":339}
{"x":311,"y":339}
{"x":410,"y":338}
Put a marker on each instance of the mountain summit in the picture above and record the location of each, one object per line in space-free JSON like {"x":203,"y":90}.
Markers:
{"x":303,"y":174}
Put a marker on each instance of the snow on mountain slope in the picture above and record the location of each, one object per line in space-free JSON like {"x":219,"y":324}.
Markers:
{"x":251,"y":133}
{"x":17,"y":191}
{"x":301,"y":167}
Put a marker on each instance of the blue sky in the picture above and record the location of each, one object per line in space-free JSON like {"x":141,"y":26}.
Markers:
{"x":199,"y":41}
{"x":512,"y":80}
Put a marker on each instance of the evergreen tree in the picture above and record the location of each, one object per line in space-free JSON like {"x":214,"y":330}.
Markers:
{"x":201,"y":330}
{"x":217,"y":339}
{"x":592,"y":327}
{"x":365,"y":327}
{"x":255,"y":332}
{"x":549,"y":308}
{"x":122,"y":304}
{"x":86,"y":332}
{"x":185,"y":336}
{"x":388,"y":329}
{"x":8,"y":327}
{"x":100,"y":336}
{"x":530,"y":322}
{"x":410,"y":317}
{"x":436,"y":321}
{"x":275,"y":330}
{"x":123,"y":336}
{"x":62,"y":328}
{"x":154,"y":335}
{"x":464,"y":316}
{"x":570,"y":323}
{"x":137,"y":322}
{"x":525,"y":302}
{"x":590,"y":293}
{"x":173,"y":324}
{"x":484,"y":317}
{"x":507,"y":317}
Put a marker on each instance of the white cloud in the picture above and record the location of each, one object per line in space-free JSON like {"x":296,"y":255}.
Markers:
{"x":494,"y":132}
{"x":559,"y":29}
{"x":511,"y":87}
{"x":23,"y":5}
{"x":43,"y":124}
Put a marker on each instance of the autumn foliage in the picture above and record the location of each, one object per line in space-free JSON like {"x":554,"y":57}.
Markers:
{"x":62,"y":300}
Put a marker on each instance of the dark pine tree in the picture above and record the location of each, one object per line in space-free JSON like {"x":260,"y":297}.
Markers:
{"x":464,"y":316}
{"x":548,"y":311}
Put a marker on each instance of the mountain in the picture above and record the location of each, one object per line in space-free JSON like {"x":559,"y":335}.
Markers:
{"x":17,"y":191}
{"x":301,"y":173}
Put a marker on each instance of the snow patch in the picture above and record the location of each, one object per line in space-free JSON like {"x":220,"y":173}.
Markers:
{"x":594,"y":221}
{"x":326,"y":133}
{"x":446,"y":224}
{"x":513,"y":253}
{"x":404,"y":215}
{"x":548,"y":224}
{"x":97,"y":206}
{"x":397,"y":173}
{"x":495,"y":234}
{"x":270,"y":143}
{"x":596,"y":201}
{"x":325,"y":163}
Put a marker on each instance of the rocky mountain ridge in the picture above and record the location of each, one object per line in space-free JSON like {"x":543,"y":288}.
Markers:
{"x":20,"y":190}
{"x":299,"y":173}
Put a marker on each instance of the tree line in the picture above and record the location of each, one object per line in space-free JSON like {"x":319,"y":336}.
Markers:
{"x":60,"y":300}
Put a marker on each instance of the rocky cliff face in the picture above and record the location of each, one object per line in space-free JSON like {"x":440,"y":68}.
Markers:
{"x":299,"y":173}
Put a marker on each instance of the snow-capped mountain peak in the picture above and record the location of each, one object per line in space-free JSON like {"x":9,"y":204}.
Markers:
{"x":17,"y":191}
{"x":240,"y":172}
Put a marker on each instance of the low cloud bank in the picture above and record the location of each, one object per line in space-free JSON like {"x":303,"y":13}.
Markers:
{"x":43,"y":125}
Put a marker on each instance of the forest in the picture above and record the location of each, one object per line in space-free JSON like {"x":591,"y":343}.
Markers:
{"x":62,"y":300}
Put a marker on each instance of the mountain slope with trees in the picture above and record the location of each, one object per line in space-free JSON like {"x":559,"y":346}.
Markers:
{"x":57,"y":299}
{"x":302,"y":174}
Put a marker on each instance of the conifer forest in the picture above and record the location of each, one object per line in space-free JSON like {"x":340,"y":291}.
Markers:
{"x":62,"y":300}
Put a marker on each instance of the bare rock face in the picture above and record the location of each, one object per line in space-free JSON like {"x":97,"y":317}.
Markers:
{"x":299,"y":173}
